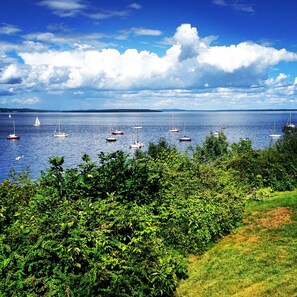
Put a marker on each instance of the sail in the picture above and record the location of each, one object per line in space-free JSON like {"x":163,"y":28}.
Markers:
{"x":37,"y":122}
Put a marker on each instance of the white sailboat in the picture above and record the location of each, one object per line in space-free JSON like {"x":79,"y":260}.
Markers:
{"x":274,"y":135}
{"x":111,"y":138}
{"x":289,"y":122}
{"x":58,"y":132}
{"x":137,"y":144}
{"x":37,"y":122}
{"x":13,"y":136}
{"x":137,"y":127}
{"x":117,"y":132}
{"x":185,"y":138}
{"x":172,"y":128}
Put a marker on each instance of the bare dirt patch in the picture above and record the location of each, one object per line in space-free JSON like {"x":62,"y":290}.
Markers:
{"x":275,"y":218}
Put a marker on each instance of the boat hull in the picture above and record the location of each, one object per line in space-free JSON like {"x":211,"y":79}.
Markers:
{"x":117,"y":132}
{"x":174,"y":130}
{"x":137,"y":145}
{"x":111,"y":139}
{"x":61,"y":135}
{"x":275,"y":136}
{"x":13,"y":137}
{"x":185,"y":138}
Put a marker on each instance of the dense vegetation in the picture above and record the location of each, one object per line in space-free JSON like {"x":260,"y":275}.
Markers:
{"x":123,"y":226}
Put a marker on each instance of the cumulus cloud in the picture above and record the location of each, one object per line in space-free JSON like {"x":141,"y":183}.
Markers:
{"x":6,"y":48}
{"x":188,"y":40}
{"x":10,"y":75}
{"x":189,"y":62}
{"x":280,"y":80}
{"x":244,"y":55}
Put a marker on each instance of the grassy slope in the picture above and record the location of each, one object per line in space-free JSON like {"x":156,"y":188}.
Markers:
{"x":259,"y":259}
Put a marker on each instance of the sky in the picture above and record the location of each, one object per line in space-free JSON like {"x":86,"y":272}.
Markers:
{"x":114,"y":54}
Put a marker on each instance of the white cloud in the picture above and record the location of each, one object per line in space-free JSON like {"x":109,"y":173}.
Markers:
{"x":9,"y":29}
{"x":67,"y":39}
{"x":236,"y":5}
{"x":63,"y":4}
{"x":135,"y":6}
{"x":190,"y":73}
{"x":146,"y":32}
{"x":124,"y":34}
{"x":6,"y":48}
{"x":25,"y":101}
{"x":106,"y":14}
{"x":72,"y":8}
{"x":220,"y":2}
{"x":64,"y":7}
{"x":190,"y":62}
{"x":10,"y":75}
{"x":244,"y":55}
{"x":20,"y":101}
{"x":280,"y":80}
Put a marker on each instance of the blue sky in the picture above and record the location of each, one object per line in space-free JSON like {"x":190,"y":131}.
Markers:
{"x":91,"y":54}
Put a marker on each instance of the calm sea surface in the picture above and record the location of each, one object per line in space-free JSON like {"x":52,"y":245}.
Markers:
{"x":87,"y":133}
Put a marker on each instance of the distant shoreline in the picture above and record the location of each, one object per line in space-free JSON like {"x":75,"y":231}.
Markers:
{"x":8,"y":110}
{"x":11,"y":110}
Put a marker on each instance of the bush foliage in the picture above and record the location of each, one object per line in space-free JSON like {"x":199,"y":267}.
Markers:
{"x":123,"y":226}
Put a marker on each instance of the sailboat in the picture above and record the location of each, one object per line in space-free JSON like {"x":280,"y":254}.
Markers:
{"x":137,"y":144}
{"x":13,"y":136}
{"x":117,"y":132}
{"x":172,"y":128}
{"x":37,"y":122}
{"x":58,"y":132}
{"x":185,"y":138}
{"x":111,"y":138}
{"x":274,"y":135}
{"x":289,"y":123}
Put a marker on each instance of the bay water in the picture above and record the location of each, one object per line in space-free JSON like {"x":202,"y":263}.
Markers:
{"x":87,"y":133}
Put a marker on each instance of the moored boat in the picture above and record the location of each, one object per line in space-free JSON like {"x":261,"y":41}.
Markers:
{"x":110,"y":139}
{"x":58,"y":132}
{"x":274,"y":135}
{"x":185,"y":138}
{"x":117,"y":132}
{"x":136,"y":145}
{"x":289,"y":122}
{"x":172,"y":127}
{"x":13,"y":136}
{"x":37,"y":122}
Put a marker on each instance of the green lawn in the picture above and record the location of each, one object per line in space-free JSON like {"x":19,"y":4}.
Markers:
{"x":258,"y":259}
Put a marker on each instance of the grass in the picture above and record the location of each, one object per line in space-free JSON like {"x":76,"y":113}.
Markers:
{"x":259,"y":259}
